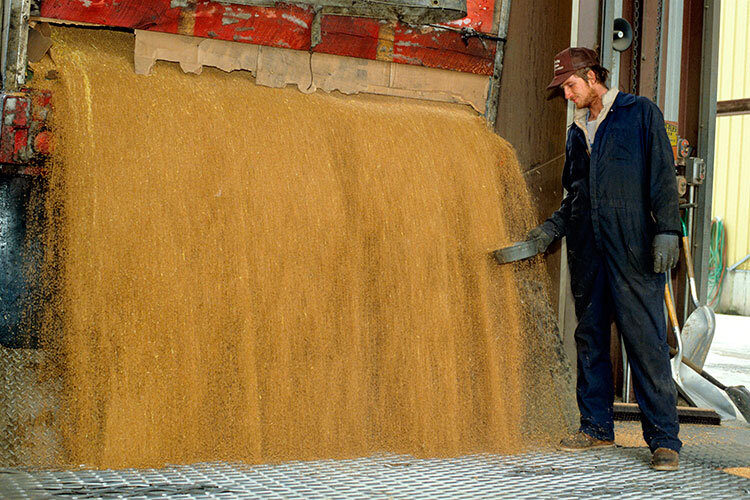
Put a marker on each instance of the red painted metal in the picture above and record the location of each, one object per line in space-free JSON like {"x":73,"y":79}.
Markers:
{"x":24,"y":138}
{"x":344,"y":37}
{"x":288,"y":26}
{"x":138,"y":14}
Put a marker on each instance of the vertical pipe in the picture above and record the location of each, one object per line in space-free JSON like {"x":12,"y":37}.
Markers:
{"x":706,"y":142}
{"x":4,"y":40}
{"x":493,"y":93}
{"x":674,"y":61}
{"x":614,"y":70}
{"x":565,"y":312}
{"x":14,"y":53}
{"x":659,"y":50}
{"x":607,"y":27}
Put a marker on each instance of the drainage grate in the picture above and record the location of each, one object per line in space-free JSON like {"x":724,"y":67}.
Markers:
{"x":610,"y":473}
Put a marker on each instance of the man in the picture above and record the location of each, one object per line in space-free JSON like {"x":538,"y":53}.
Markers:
{"x":621,"y":219}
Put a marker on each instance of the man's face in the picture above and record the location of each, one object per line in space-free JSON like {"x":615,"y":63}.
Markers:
{"x":579,"y":91}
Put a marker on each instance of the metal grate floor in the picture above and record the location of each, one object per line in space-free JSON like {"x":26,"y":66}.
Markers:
{"x":609,"y":473}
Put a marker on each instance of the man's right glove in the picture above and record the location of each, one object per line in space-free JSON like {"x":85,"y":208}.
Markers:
{"x":665,"y":251}
{"x":541,"y":237}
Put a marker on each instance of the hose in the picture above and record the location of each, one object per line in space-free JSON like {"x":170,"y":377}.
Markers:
{"x":716,"y":261}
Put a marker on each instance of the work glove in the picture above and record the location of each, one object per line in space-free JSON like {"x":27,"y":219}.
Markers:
{"x":665,"y":251}
{"x":541,"y":237}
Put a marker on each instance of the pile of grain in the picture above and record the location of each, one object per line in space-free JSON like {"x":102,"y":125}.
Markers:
{"x":254,"y":274}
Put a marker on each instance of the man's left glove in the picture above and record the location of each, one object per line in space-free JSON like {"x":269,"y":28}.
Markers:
{"x":665,"y":251}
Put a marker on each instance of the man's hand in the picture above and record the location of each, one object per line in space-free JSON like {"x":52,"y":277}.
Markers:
{"x":665,"y":251}
{"x":541,"y":237}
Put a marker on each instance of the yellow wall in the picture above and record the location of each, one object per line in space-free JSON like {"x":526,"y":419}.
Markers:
{"x":731,"y":197}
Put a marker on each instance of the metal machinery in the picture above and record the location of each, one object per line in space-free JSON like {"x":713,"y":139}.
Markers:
{"x":24,"y":148}
{"x":400,"y":31}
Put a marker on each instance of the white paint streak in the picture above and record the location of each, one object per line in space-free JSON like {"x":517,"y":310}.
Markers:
{"x":295,"y":20}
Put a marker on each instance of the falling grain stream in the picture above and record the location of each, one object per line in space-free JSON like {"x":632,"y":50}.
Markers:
{"x":254,"y":274}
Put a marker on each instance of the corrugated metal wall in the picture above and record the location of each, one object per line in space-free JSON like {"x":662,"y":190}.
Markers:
{"x":731,"y":197}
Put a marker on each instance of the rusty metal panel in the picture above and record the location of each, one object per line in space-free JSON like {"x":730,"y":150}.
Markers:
{"x":24,"y":134}
{"x":287,"y":27}
{"x":409,"y":11}
{"x":290,"y":26}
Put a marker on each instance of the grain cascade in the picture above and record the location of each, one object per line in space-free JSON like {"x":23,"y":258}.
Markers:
{"x":255,"y":274}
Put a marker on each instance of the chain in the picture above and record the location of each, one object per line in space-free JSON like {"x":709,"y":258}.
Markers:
{"x":636,"y":45}
{"x":657,"y":56}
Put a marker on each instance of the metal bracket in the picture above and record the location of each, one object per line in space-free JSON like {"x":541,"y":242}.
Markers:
{"x":408,"y":11}
{"x":695,"y":171}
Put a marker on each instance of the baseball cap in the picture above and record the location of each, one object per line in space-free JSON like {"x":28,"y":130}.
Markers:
{"x":571,"y":60}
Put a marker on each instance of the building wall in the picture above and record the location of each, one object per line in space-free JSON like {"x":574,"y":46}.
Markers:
{"x":535,"y":126}
{"x":731,"y":194}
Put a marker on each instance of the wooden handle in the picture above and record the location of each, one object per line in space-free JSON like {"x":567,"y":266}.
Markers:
{"x":698,"y":370}
{"x":686,"y":361}
{"x":670,"y":307}
{"x":688,"y":257}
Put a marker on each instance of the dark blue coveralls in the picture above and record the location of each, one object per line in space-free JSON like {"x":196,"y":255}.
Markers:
{"x":618,"y":199}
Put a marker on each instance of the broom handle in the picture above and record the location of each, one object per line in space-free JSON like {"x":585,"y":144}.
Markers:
{"x":697,"y":370}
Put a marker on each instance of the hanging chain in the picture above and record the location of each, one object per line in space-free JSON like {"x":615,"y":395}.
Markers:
{"x":657,"y":56}
{"x":636,"y":45}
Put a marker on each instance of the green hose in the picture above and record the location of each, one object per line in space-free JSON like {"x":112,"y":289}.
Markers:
{"x":716,"y":261}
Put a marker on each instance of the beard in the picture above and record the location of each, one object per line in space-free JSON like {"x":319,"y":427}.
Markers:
{"x":584,"y":100}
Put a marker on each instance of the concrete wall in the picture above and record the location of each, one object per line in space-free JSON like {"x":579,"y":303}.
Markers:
{"x":735,"y":296}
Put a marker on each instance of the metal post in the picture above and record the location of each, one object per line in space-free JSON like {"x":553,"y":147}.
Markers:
{"x":493,"y":93}
{"x":15,"y":38}
{"x":614,"y":70}
{"x":657,"y":55}
{"x":674,"y":61}
{"x":706,"y":139}
{"x":565,"y":295}
{"x":607,"y":29}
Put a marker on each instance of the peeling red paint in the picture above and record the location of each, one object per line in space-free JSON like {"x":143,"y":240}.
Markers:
{"x":288,"y":26}
{"x":258,"y":25}
{"x":23,"y":133}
